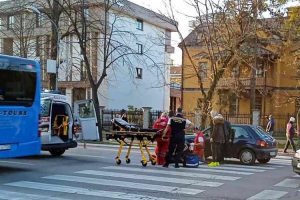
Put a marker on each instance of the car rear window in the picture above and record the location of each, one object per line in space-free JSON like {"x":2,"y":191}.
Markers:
{"x":261,"y":132}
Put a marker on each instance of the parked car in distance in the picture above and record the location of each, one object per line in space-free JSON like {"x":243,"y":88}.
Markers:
{"x":296,"y":162}
{"x":250,"y":143}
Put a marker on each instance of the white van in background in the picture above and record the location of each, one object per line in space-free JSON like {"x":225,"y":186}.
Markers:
{"x":58,"y":124}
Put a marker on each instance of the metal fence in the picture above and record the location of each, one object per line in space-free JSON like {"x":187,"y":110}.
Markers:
{"x":136,"y":117}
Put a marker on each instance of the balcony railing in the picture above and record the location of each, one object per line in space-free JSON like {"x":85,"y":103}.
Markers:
{"x":260,"y":82}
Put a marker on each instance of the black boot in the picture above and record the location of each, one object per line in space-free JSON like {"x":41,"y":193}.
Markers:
{"x":176,"y":165}
{"x":166,"y":165}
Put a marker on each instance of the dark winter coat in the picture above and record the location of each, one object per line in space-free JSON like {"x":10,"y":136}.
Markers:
{"x":218,"y":134}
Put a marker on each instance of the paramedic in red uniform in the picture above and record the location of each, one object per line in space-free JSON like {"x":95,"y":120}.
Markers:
{"x":177,"y":124}
{"x":162,"y":145}
{"x":199,"y":145}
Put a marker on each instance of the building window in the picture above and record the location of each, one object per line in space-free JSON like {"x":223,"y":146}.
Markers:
{"x":297,"y":104}
{"x":235,"y":72}
{"x":203,"y":70}
{"x":1,"y":23}
{"x":10,"y":22}
{"x":39,"y":20}
{"x":233,"y":106}
{"x":140,"y":48}
{"x":38,"y":48}
{"x":139,"y":73}
{"x":139,"y":24}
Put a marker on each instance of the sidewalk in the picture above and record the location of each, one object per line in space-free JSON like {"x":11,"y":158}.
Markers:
{"x":280,"y":155}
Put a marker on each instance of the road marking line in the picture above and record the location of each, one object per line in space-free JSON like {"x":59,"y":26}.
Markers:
{"x":236,"y":168}
{"x":290,"y":183}
{"x":248,"y":167}
{"x":219,"y":170}
{"x":125,"y":184}
{"x":178,"y":172}
{"x":83,"y":155}
{"x":13,"y":162}
{"x":18,"y":195}
{"x":151,"y":178}
{"x":268,"y":194}
{"x":81,"y":191}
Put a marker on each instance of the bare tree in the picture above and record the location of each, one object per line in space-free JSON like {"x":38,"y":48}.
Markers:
{"x":227,"y":35}
{"x":102,"y":33}
{"x":17,"y":29}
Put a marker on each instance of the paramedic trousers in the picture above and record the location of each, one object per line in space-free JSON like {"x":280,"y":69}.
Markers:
{"x":216,"y":150}
{"x":176,"y":146}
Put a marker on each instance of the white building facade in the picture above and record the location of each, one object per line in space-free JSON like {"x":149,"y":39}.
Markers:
{"x":139,"y":78}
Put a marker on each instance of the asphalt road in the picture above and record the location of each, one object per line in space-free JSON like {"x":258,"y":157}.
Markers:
{"x":91,"y":173}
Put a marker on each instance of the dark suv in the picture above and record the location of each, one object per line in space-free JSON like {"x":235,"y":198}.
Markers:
{"x":250,"y":143}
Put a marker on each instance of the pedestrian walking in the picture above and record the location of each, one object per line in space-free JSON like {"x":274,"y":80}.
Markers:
{"x":270,"y":125}
{"x":177,"y":124}
{"x":290,"y":133}
{"x":217,"y":139}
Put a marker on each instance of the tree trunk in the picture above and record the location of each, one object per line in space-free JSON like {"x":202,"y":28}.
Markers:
{"x":97,"y":109}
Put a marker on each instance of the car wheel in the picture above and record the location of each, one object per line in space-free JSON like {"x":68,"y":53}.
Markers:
{"x":57,"y":152}
{"x":264,"y":160}
{"x":247,"y":157}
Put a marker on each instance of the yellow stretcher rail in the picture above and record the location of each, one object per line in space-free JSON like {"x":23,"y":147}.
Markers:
{"x":143,"y":139}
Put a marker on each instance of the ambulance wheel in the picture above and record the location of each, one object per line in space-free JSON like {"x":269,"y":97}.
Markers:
{"x":57,"y":152}
{"x":118,"y":162}
{"x":153,"y":162}
{"x":144,"y":163}
{"x":128,"y":160}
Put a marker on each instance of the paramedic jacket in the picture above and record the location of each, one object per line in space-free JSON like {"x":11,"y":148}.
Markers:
{"x":178,"y":124}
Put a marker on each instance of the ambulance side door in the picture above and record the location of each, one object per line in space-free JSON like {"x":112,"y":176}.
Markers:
{"x":84,"y":111}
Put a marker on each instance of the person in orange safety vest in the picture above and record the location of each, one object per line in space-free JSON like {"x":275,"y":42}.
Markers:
{"x":162,"y":146}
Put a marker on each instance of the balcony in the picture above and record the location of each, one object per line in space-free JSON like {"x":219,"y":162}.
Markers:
{"x":261,"y":83}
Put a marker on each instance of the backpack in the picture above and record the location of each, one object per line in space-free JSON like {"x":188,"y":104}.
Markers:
{"x":191,"y":160}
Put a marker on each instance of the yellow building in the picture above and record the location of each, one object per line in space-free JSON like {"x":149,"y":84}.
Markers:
{"x":277,"y":82}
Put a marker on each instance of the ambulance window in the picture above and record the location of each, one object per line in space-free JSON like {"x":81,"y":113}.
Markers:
{"x":86,"y":110}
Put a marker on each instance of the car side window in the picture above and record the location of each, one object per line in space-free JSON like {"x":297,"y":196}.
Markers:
{"x":240,"y":133}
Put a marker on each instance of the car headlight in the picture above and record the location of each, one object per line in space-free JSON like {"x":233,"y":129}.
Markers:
{"x":297,"y":154}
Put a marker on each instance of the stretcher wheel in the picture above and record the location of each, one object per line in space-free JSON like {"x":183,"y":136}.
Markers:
{"x":118,"y":161}
{"x":128,"y":160}
{"x":153,"y":162}
{"x":144,"y":163}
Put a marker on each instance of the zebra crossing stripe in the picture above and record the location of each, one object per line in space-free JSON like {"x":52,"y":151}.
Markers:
{"x":125,"y":184}
{"x":178,"y":172}
{"x":290,"y":183}
{"x":151,"y":178}
{"x":237,"y":168}
{"x":18,"y":195}
{"x":220,"y":170}
{"x":82,"y":191}
{"x":249,"y":167}
{"x":268,"y":194}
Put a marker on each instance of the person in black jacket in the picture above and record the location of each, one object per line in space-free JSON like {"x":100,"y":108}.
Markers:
{"x":177,"y":124}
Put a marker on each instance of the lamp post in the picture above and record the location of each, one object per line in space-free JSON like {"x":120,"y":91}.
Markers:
{"x":36,"y":10}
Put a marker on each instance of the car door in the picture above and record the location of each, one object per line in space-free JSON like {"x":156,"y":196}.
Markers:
{"x":84,"y":111}
{"x":241,"y":139}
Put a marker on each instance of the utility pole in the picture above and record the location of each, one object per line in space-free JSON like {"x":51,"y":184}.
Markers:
{"x":253,"y":71}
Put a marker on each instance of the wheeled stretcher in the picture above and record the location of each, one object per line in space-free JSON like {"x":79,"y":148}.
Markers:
{"x":126,"y":134}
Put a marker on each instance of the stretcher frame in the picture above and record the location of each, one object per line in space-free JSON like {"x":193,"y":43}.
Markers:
{"x":143,"y":138}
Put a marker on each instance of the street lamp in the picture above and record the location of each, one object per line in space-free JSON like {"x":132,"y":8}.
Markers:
{"x":36,"y":10}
